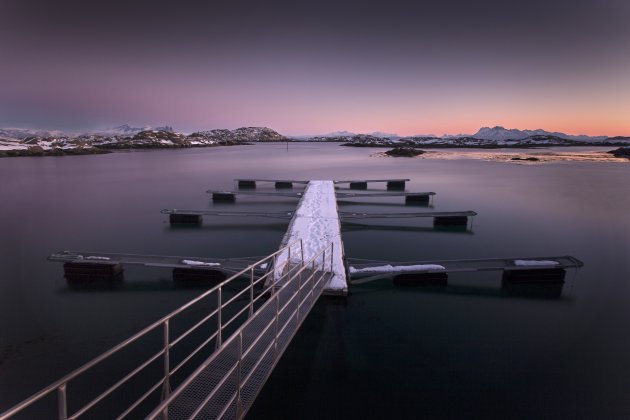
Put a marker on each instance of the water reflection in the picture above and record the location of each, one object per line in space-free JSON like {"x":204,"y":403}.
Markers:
{"x":354,"y":226}
{"x":534,"y":156}
{"x":504,"y":291}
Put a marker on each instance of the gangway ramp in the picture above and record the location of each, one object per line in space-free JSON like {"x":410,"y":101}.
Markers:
{"x":207,"y":359}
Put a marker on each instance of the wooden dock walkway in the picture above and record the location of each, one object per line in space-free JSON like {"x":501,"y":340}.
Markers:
{"x":316,"y":224}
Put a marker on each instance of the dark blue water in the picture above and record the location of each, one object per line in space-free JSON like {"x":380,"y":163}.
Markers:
{"x":466,"y":351}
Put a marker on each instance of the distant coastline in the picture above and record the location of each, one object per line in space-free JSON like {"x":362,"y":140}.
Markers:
{"x":24,"y":142}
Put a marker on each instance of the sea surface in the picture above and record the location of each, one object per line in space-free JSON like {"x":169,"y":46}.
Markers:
{"x":467,"y":351}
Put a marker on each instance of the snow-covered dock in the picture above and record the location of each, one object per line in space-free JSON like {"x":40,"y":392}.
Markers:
{"x":362,"y":184}
{"x":363,"y":271}
{"x":383,"y":194}
{"x":177,"y":216}
{"x":293,"y":181}
{"x":280,"y":183}
{"x":434,"y":214}
{"x":232,"y":194}
{"x":316,"y":224}
{"x":370,"y":180}
{"x":226,"y":265}
{"x":224,"y":195}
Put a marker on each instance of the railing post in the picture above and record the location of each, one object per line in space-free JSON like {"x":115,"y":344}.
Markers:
{"x":275,"y":342}
{"x":219,"y":328}
{"x":273,"y":277}
{"x":332,"y":253}
{"x":302,"y":252}
{"x":239,"y":402}
{"x":299,"y":297}
{"x":63,"y":402}
{"x":166,"y":386}
{"x":251,"y":293}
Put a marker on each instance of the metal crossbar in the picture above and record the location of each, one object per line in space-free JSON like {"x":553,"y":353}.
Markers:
{"x":230,"y":316}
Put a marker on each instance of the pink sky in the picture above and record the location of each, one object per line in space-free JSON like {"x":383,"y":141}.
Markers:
{"x":317,"y":70}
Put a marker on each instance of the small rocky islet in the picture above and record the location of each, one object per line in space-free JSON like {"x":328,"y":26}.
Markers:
{"x":404,"y":152}
{"x":622,"y":152}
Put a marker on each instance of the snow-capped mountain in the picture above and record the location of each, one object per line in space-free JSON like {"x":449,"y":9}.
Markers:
{"x":499,"y":133}
{"x":345,"y":133}
{"x":383,"y":135}
{"x":121,"y":138}
{"x":239,"y":135}
{"x":121,"y":130}
{"x":22,"y":133}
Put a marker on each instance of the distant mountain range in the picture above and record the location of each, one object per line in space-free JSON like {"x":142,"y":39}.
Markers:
{"x":344,"y":133}
{"x":28,"y":142}
{"x":496,"y":133}
{"x":24,"y":142}
{"x":127,"y":130}
{"x":500,"y":134}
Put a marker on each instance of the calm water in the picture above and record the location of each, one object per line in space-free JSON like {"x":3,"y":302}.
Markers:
{"x":467,"y":351}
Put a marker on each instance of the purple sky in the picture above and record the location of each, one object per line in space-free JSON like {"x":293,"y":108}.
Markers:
{"x":409,"y":67}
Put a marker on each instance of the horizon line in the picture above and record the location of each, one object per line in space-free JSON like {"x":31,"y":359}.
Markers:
{"x":325,"y":133}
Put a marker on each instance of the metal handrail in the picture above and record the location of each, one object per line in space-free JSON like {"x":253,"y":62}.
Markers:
{"x":60,"y":385}
{"x":162,"y":409}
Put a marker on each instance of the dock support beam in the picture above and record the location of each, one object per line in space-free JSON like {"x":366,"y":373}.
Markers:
{"x":537,"y":276}
{"x":185,"y":219}
{"x":360,"y":185}
{"x":283,"y":184}
{"x":223,"y":196}
{"x":419,"y":199}
{"x":80,"y":272}
{"x":396,"y":185}
{"x":246,"y":183}
{"x":439,"y":221}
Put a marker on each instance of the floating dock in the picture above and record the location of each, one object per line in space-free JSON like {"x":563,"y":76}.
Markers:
{"x":362,"y":184}
{"x":516,"y":270}
{"x":441,"y":219}
{"x":316,"y":224}
{"x":195,"y":217}
{"x":410,"y":197}
{"x":279,"y":183}
{"x":231,"y":195}
{"x":101,"y":266}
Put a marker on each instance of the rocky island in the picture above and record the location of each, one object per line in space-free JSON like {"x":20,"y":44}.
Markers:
{"x":22,"y":142}
{"x":404,"y":152}
{"x":622,"y":152}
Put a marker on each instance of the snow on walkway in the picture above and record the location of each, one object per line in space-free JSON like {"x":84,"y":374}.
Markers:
{"x":316,"y":223}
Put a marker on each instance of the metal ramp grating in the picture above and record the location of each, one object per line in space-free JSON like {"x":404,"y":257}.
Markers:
{"x":227,"y":383}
